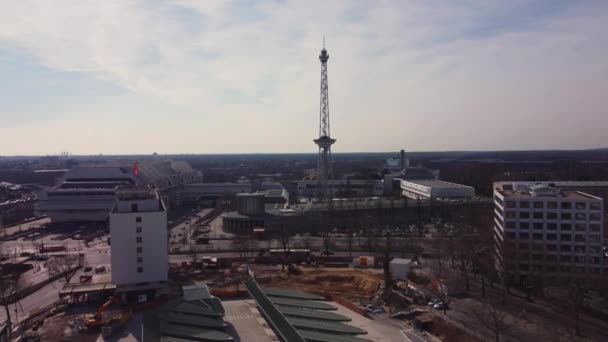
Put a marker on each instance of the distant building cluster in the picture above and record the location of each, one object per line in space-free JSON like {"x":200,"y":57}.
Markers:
{"x":87,"y":193}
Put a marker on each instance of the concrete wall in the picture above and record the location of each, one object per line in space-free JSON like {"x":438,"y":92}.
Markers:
{"x":123,"y":232}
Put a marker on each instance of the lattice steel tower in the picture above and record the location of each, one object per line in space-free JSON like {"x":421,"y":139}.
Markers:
{"x":324,"y":141}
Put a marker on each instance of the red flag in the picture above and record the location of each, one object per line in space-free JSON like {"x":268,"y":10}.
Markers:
{"x":135,"y":170}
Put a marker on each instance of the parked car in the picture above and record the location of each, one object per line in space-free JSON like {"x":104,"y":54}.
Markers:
{"x":100,"y":269}
{"x":88,"y":268}
{"x":440,"y":306}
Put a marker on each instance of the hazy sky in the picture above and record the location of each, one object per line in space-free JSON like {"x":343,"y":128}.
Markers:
{"x":219,"y":77}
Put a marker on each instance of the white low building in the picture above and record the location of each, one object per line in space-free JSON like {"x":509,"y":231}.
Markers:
{"x":138,"y":232}
{"x":435,"y":189}
{"x":400,"y":268}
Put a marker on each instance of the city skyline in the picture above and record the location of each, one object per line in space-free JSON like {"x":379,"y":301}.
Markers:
{"x":172,"y":77}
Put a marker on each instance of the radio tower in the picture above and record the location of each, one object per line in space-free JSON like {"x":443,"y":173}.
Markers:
{"x":324,"y":141}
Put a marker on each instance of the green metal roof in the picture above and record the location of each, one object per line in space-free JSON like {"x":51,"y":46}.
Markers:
{"x":191,"y":309}
{"x":324,"y":326}
{"x":273,"y":316}
{"x":309,"y":304}
{"x":315,"y":336}
{"x":193,"y":333}
{"x":177,"y":320}
{"x":202,"y":322}
{"x":298,"y":313}
{"x":314,"y":314}
{"x":173,"y":339}
{"x":277,"y":292}
{"x":198,"y":291}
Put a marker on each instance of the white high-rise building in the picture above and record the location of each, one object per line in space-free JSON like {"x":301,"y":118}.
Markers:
{"x":544,"y":233}
{"x":138,"y":231}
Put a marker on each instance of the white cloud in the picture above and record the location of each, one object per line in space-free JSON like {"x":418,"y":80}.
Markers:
{"x":421,"y":75}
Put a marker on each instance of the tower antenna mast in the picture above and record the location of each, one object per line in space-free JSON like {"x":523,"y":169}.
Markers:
{"x":324,"y":141}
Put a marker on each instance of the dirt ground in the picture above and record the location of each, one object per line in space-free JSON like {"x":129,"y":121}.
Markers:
{"x":347,"y":282}
{"x":63,"y":327}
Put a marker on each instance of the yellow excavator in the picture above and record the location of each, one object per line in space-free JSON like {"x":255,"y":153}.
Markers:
{"x":97,"y":319}
{"x":109,"y":323}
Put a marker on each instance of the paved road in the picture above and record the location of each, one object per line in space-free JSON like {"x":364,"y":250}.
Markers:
{"x":409,"y":334}
{"x":49,"y":294}
{"x":41,"y":298}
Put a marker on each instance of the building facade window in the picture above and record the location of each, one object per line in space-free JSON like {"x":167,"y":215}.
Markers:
{"x":138,"y":219}
{"x":140,"y":249}
{"x":524,"y":204}
{"x":138,"y":229}
{"x":140,"y":270}
{"x":538,"y":205}
{"x":139,"y":239}
{"x":140,"y":259}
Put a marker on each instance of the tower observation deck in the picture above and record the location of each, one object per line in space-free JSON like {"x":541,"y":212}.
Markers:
{"x":324,"y":141}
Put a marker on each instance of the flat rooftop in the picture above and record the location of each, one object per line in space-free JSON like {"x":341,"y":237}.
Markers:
{"x":558,"y":183}
{"x":562,"y":194}
{"x":435,"y":183}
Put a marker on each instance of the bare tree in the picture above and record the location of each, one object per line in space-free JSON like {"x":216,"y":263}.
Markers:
{"x":241,"y":243}
{"x":64,"y":266}
{"x":388,"y":278}
{"x":9,"y":287}
{"x":491,"y":314}
{"x":306,"y":241}
{"x":551,"y":332}
{"x":575,"y":303}
{"x":285,"y":244}
{"x":439,"y":266}
{"x":349,"y":241}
